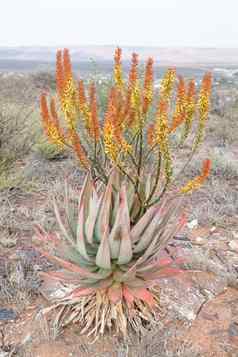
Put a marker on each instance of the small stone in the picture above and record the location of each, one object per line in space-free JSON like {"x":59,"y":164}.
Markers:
{"x":233,"y":329}
{"x":7,"y":314}
{"x":8,"y":242}
{"x":233,"y":244}
{"x":212,"y":229}
{"x":4,"y":354}
{"x":192,"y":224}
{"x":199,"y":241}
{"x":235,"y":235}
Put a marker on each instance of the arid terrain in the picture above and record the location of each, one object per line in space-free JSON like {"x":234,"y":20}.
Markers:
{"x":199,"y":308}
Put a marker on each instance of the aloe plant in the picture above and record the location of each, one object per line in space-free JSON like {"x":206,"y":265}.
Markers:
{"x":110,"y":266}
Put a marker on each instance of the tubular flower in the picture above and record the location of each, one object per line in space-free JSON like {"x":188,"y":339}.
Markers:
{"x":79,"y":149}
{"x":161,"y":137}
{"x":111,"y":148}
{"x":66,"y":87}
{"x":199,"y":180}
{"x":83,"y":106}
{"x":94,"y":125}
{"x":167,"y":84}
{"x":190,"y":109}
{"x":50,"y":122}
{"x":133,"y":76}
{"x":113,"y":137}
{"x":59,"y":73}
{"x":203,"y":107}
{"x":118,"y":69}
{"x":151,"y":135}
{"x":148,"y":86}
{"x":68,"y":74}
{"x":180,"y":108}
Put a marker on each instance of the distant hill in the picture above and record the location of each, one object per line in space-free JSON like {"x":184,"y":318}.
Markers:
{"x":185,"y":57}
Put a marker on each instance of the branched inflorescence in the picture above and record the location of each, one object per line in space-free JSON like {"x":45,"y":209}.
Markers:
{"x":130,"y":131}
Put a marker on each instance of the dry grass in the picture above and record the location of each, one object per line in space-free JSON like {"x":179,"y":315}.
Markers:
{"x":18,"y":283}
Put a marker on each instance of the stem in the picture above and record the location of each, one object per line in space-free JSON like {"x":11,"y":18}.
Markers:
{"x":131,"y":180}
{"x":156,"y":180}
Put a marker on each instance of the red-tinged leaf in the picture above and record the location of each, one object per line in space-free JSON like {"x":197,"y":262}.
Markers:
{"x":60,"y":276}
{"x":102,"y":221}
{"x":115,"y":293}
{"x":143,"y":294}
{"x":45,"y":236}
{"x":92,"y":216}
{"x":62,"y":227}
{"x":125,"y":253}
{"x":70,"y":266}
{"x":155,"y":265}
{"x":78,"y":292}
{"x":80,"y":233}
{"x":103,"y":257}
{"x":86,"y":190}
{"x":162,"y":273}
{"x":141,"y":225}
{"x":128,"y":296}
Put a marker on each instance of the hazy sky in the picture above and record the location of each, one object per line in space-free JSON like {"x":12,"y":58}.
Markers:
{"x":212,"y":23}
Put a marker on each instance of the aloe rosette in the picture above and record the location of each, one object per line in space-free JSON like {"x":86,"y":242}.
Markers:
{"x":110,"y":268}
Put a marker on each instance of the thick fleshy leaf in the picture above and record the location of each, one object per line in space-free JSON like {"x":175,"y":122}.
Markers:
{"x":85,"y":192}
{"x":141,"y":225}
{"x":148,"y":234}
{"x":148,"y":186}
{"x":125,"y":253}
{"x":103,"y":258}
{"x":114,"y":236}
{"x":162,"y":273}
{"x":102,"y":221}
{"x":92,"y":215}
{"x":78,"y":292}
{"x":62,"y":227}
{"x":69,"y":210}
{"x":155,"y":265}
{"x":81,"y":245}
{"x":69,"y":277}
{"x":70,"y":266}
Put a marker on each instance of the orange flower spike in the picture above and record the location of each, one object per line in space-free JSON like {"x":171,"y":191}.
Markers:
{"x":133,"y":76}
{"x":84,"y":107}
{"x":51,"y":129}
{"x":148,"y":85}
{"x":81,"y":94}
{"x":190,"y":109}
{"x":94,"y":115}
{"x":199,"y":180}
{"x":180,"y":108}
{"x":203,"y":107}
{"x":79,"y":149}
{"x":167,"y":84}
{"x":44,"y":113}
{"x":118,"y":69}
{"x":68,"y":73}
{"x":59,"y":73}
{"x":151,"y":135}
{"x":111,"y":149}
{"x":162,"y":137}
{"x":55,"y":119}
{"x":134,"y":90}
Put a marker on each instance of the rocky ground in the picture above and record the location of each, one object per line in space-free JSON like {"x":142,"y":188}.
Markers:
{"x":199,"y":308}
